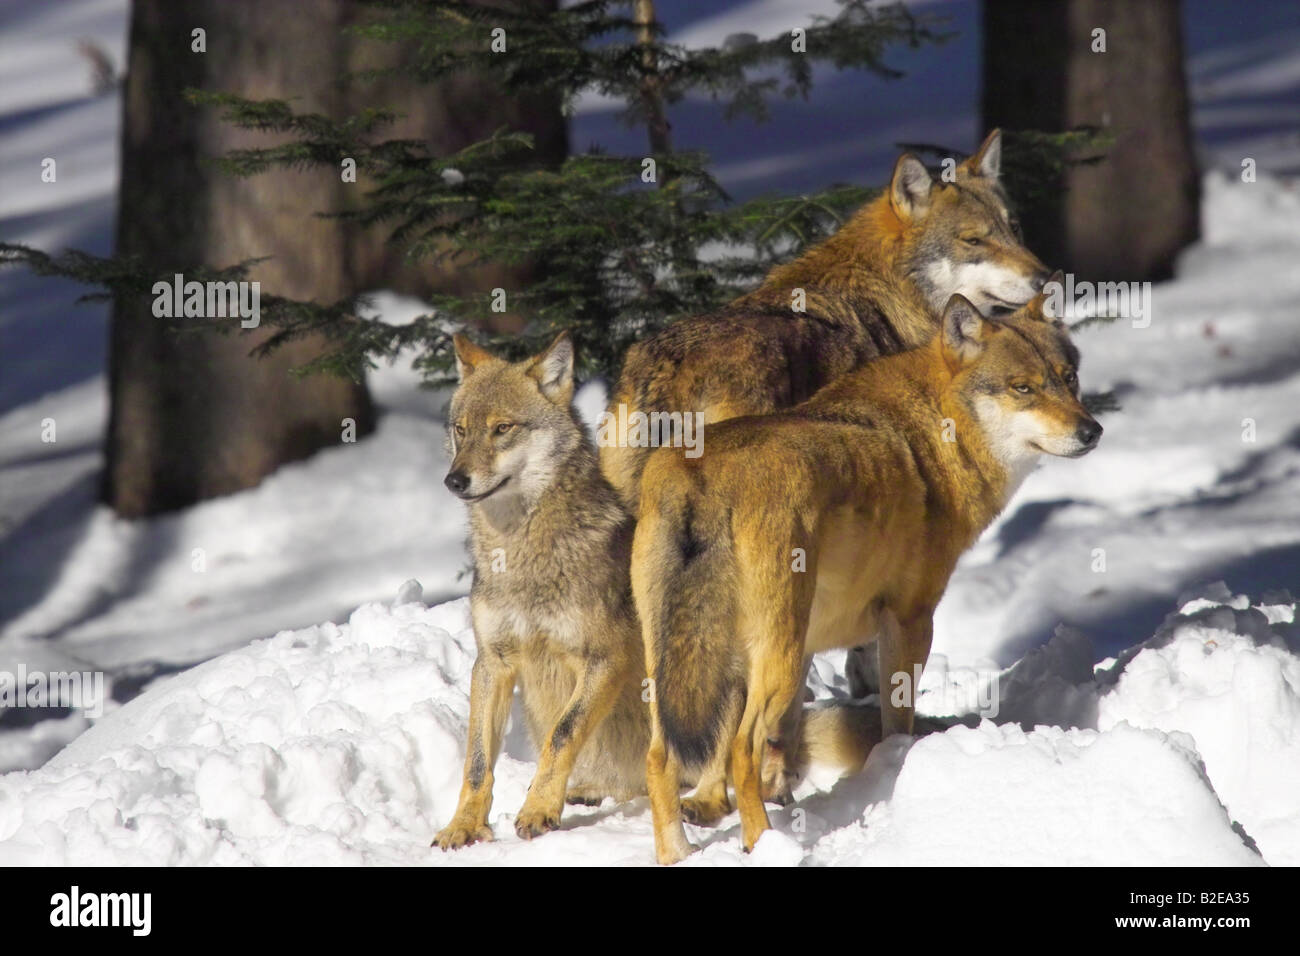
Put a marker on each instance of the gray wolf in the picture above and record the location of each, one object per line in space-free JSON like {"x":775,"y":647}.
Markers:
{"x":550,"y":602}
{"x":815,"y":527}
{"x":874,"y":288}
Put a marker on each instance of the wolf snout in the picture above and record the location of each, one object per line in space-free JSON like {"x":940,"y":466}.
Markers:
{"x":1088,"y":434}
{"x":457,"y":482}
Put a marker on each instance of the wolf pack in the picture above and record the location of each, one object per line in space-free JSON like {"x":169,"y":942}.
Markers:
{"x":868,"y":411}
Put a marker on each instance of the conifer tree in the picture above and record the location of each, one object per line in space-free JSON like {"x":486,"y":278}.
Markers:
{"x":619,"y":244}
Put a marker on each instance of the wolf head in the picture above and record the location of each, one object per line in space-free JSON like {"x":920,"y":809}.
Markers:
{"x":511,"y":425}
{"x":1019,"y":376}
{"x":959,"y":237}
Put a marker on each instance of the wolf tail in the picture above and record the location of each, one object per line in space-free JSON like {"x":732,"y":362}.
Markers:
{"x":839,"y":735}
{"x":684,"y":581}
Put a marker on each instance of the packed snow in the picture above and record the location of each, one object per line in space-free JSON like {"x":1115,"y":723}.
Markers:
{"x":343,"y":744}
{"x":1144,"y":716}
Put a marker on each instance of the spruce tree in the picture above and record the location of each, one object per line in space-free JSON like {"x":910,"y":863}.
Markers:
{"x":618,"y":245}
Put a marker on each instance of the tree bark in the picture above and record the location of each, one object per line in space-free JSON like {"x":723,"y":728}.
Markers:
{"x":1127,"y":217}
{"x":192,"y":415}
{"x":449,"y":116}
{"x":656,"y":118}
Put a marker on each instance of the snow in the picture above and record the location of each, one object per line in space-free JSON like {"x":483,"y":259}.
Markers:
{"x":999,"y":796}
{"x":343,"y":744}
{"x":1125,"y":733}
{"x":1227,"y":679}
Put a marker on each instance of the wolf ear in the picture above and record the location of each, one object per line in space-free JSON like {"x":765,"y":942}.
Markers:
{"x":553,"y":370}
{"x":1049,"y":304}
{"x":909,"y":189}
{"x":987,"y":160}
{"x":964,"y":330}
{"x":468,"y":356}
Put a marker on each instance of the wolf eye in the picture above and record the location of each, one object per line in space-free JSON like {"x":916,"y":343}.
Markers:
{"x":459,"y":430}
{"x":1022,"y":389}
{"x":502,"y":428}
{"x":971,"y":240}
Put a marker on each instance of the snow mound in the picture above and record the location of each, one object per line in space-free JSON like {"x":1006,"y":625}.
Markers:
{"x":1226,"y":674}
{"x":343,"y":744}
{"x":323,"y":745}
{"x":997,"y":796}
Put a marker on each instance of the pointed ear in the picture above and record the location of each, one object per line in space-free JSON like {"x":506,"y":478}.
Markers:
{"x":964,"y":330}
{"x":1049,"y":304}
{"x":468,"y":356}
{"x":987,"y":160}
{"x":553,"y":370}
{"x":909,"y":189}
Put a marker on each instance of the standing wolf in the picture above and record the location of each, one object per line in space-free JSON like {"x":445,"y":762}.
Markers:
{"x":551,"y":603}
{"x":836,"y":520}
{"x":873,"y":288}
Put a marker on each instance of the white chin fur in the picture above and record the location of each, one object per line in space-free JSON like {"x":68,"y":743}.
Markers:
{"x":1011,"y":439}
{"x":986,"y":284}
{"x":535,"y":462}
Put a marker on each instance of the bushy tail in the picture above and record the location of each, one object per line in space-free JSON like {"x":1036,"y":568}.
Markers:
{"x":839,"y":735}
{"x":684,"y":579}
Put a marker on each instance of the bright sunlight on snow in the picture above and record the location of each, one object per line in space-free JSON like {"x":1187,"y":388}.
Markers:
{"x":1148,"y":714}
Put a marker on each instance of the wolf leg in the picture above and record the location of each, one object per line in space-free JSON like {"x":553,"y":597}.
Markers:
{"x":900,"y":648}
{"x":710,"y":803}
{"x":897,"y":696}
{"x":663,"y":783}
{"x":599,"y":681}
{"x":773,"y":685}
{"x":780,"y":770}
{"x":862,"y":670}
{"x":492,"y":685}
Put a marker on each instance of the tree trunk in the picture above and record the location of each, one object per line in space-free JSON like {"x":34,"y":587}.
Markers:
{"x":1127,"y":217}
{"x":449,"y":116}
{"x":193,"y":416}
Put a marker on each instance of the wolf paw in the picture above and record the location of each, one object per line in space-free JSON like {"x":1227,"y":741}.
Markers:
{"x":533,"y":823}
{"x":705,"y":811}
{"x":672,"y":851}
{"x":456,"y":835}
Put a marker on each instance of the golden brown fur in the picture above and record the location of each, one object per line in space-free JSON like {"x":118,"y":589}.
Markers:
{"x":551,"y":599}
{"x":873,"y":288}
{"x":836,"y":520}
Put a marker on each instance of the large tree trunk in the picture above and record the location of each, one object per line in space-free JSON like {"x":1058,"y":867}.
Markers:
{"x":448,"y":116}
{"x":193,"y":416}
{"x":1126,"y":217}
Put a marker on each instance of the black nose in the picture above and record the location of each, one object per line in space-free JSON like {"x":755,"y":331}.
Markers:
{"x":457,"y":481}
{"x":1040,"y":280}
{"x":1089,"y":434}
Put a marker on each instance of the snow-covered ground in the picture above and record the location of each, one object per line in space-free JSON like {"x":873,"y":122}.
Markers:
{"x":343,"y":742}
